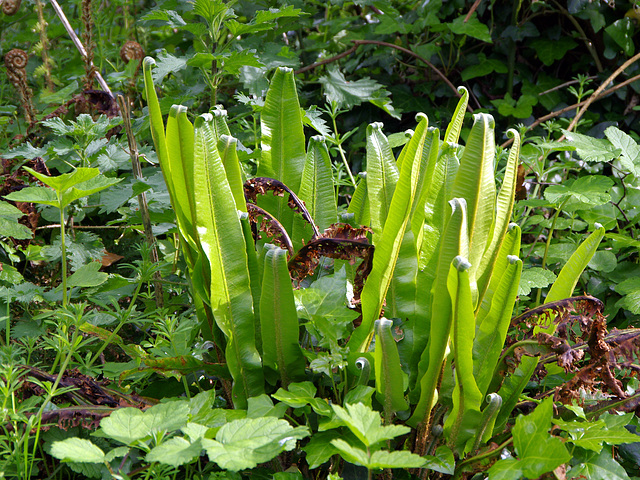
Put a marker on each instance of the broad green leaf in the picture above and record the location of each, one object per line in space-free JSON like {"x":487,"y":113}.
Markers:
{"x":588,"y":191}
{"x":365,"y":424}
{"x":167,"y":64}
{"x":76,"y":449}
{"x":88,"y":275}
{"x":622,"y":32}
{"x":511,"y":389}
{"x":9,"y":226}
{"x":472,"y":27}
{"x":175,"y":451}
{"x":591,"y":435}
{"x":475,"y":183}
{"x":42,"y":195}
{"x":485,"y":66}
{"x":593,"y":465}
{"x":221,"y":233}
{"x":603,"y":261}
{"x":262,"y":406}
{"x":300,"y":394}
{"x":359,"y":205}
{"x":629,"y":149}
{"x":378,"y":459}
{"x":506,"y":469}
{"x":535,"y":277}
{"x":346,"y":93}
{"x":279,"y":319}
{"x":551,"y":50}
{"x":389,"y":374}
{"x":492,"y":332}
{"x":538,"y":451}
{"x":319,"y":449}
{"x":245,"y":443}
{"x":591,"y":149}
{"x":63,"y":182}
{"x":382,"y":177}
{"x":388,"y":247}
{"x":443,"y":461}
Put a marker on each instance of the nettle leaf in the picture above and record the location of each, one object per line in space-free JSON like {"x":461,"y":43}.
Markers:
{"x":366,"y":424}
{"x":346,"y":93}
{"x":175,"y":451}
{"x":629,"y":149}
{"x":592,"y":190}
{"x":172,"y":17}
{"x":76,"y":449}
{"x":551,"y":50}
{"x":591,"y":149}
{"x":535,"y":277}
{"x":88,"y":276}
{"x":26,"y":150}
{"x":247,"y":442}
{"x":471,"y":27}
{"x":313,"y":118}
{"x":166,"y":64}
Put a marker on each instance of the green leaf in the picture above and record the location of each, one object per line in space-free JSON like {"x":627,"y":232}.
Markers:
{"x":389,"y":374}
{"x":88,"y":276}
{"x":247,"y":442}
{"x":591,"y":149}
{"x":485,"y":66}
{"x":346,"y":93}
{"x":279,"y":320}
{"x":237,"y":59}
{"x":175,"y":451}
{"x":9,"y":226}
{"x":365,"y":424}
{"x":551,"y":50}
{"x":629,"y":149}
{"x":506,"y":469}
{"x":622,"y":31}
{"x":471,"y":27}
{"x":167,"y":64}
{"x":595,"y":465}
{"x":535,"y":277}
{"x":443,"y":461}
{"x":603,"y":261}
{"x":320,"y":449}
{"x":591,"y":190}
{"x":379,"y":459}
{"x":592,"y":435}
{"x":300,"y":394}
{"x":42,"y":195}
{"x":76,"y":449}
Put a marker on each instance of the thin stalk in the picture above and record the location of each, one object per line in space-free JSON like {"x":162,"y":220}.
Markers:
{"x":63,"y":248}
{"x":341,"y":151}
{"x":548,"y":243}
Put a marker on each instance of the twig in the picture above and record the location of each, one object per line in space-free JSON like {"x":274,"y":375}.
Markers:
{"x":327,"y":60}
{"x":78,"y":43}
{"x":574,"y":106}
{"x":600,"y":89}
{"x":142,"y":198}
{"x":473,"y":8}
{"x":565,"y":84}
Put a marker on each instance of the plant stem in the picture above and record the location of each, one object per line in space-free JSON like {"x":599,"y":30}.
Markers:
{"x":548,"y":243}
{"x":63,"y":249}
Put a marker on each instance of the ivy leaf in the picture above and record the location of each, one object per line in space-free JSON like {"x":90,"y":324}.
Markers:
{"x":551,"y":50}
{"x":443,"y":461}
{"x":76,"y":449}
{"x":471,"y":27}
{"x":247,"y":442}
{"x":591,"y":149}
{"x":365,"y":424}
{"x":346,"y":93}
{"x":622,"y":32}
{"x":485,"y":66}
{"x":597,"y":465}
{"x":175,"y":451}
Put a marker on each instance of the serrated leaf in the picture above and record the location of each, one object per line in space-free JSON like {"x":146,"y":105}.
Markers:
{"x":238,"y":59}
{"x":313,"y":118}
{"x":365,"y":424}
{"x":588,"y":191}
{"x":592,"y":435}
{"x":42,"y":195}
{"x":166,"y":64}
{"x":76,"y":449}
{"x":535,"y":277}
{"x":346,"y":93}
{"x":9,"y":226}
{"x":629,"y":149}
{"x":591,"y":149}
{"x":247,"y":442}
{"x":379,"y":459}
{"x":175,"y":451}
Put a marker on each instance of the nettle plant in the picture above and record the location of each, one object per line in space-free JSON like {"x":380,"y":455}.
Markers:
{"x":398,"y":314}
